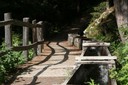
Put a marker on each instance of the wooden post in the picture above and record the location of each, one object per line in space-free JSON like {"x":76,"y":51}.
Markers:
{"x":25,"y":37}
{"x":8,"y":33}
{"x":112,"y":81}
{"x":34,"y":35}
{"x":40,"y":36}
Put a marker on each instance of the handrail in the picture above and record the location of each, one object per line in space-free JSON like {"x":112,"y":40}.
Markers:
{"x":37,"y":35}
{"x":21,"y":48}
{"x":27,"y":47}
{"x":19,"y":23}
{"x":3,"y":23}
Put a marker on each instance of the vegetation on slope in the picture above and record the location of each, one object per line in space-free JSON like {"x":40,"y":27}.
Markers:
{"x":105,"y":29}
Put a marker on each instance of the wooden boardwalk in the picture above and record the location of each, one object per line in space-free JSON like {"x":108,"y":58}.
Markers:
{"x":52,"y":67}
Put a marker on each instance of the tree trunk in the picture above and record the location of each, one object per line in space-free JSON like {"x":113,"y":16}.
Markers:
{"x":121,"y":10}
{"x":91,"y":31}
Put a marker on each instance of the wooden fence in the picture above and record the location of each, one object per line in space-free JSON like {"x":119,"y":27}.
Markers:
{"x":37,"y":35}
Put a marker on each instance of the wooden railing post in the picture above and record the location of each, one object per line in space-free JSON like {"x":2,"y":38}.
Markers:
{"x":34,"y":37}
{"x":25,"y":37}
{"x":40,"y":36}
{"x":8,"y":33}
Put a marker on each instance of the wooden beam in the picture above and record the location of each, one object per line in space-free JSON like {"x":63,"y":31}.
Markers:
{"x":27,"y":47}
{"x":96,"y":62}
{"x":96,"y":58}
{"x":8,"y":22}
{"x":27,"y":24}
{"x":96,"y":44}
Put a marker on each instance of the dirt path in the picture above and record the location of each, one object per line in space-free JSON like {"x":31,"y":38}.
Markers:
{"x":53,"y":66}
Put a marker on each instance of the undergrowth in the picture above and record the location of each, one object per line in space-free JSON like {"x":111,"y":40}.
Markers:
{"x":108,"y":31}
{"x":10,"y":61}
{"x":121,"y":51}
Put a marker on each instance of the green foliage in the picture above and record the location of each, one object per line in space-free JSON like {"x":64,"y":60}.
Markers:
{"x":123,"y":30}
{"x":92,"y":82}
{"x":101,"y":27}
{"x":107,"y":31}
{"x":122,"y":52}
{"x":16,"y":40}
{"x":10,"y":61}
{"x":30,"y":53}
{"x":98,"y":10}
{"x":120,"y":73}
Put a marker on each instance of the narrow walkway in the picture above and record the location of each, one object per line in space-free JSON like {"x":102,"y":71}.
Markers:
{"x":52,"y":67}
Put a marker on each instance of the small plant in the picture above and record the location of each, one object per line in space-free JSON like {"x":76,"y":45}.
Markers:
{"x":92,"y":82}
{"x":31,"y":54}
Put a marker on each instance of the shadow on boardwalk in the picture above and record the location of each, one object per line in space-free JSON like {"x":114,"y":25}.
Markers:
{"x":52,"y":53}
{"x":57,"y":41}
{"x":35,"y":77}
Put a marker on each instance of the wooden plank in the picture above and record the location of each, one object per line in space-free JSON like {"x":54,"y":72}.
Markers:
{"x":96,"y":44}
{"x":8,"y":32}
{"x":96,"y":58}
{"x":96,"y":62}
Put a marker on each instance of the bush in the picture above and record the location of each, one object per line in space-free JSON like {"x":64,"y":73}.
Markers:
{"x":10,"y":61}
{"x":120,"y":73}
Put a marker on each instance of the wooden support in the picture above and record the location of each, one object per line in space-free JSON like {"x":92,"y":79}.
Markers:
{"x":96,"y":62}
{"x":8,"y":33}
{"x":25,"y":38}
{"x":71,"y":38}
{"x":40,"y":36}
{"x":95,"y":44}
{"x":96,"y":58}
{"x":34,"y":35}
{"x":112,"y":81}
{"x":78,"y":43}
